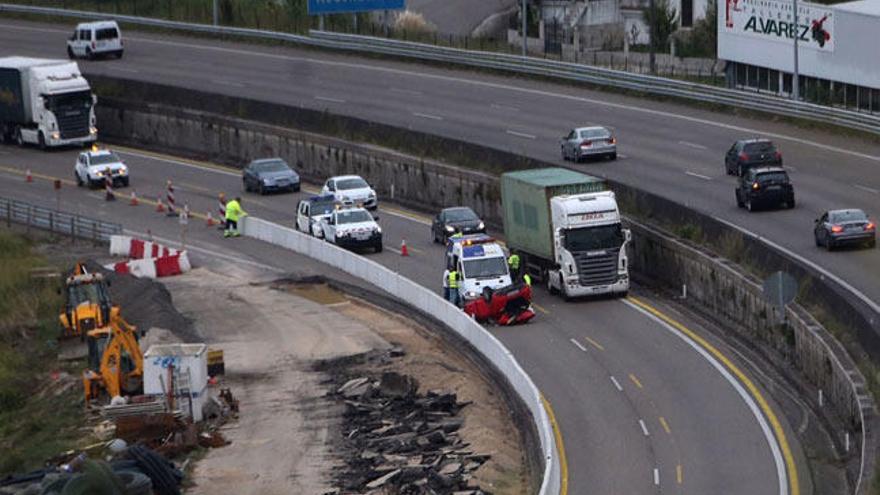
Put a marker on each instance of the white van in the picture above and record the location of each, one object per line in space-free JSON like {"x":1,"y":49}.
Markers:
{"x":94,"y":39}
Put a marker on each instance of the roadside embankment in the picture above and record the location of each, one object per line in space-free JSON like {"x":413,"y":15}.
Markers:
{"x":233,"y":130}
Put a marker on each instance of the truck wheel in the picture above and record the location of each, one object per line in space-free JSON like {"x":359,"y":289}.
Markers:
{"x":41,"y":140}
{"x":550,"y":288}
{"x":19,"y":139}
{"x":564,"y":291}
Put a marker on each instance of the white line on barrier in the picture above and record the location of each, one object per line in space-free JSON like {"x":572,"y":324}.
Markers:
{"x":578,"y":345}
{"x":616,"y":384}
{"x":865,"y":188}
{"x":520,"y":134}
{"x":427,"y":116}
{"x":693,"y":145}
{"x":644,"y":427}
{"x":750,"y":402}
{"x":699,"y":176}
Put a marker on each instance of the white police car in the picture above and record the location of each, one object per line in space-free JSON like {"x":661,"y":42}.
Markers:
{"x":480,"y":262}
{"x":311,"y":212}
{"x":352,"y":228}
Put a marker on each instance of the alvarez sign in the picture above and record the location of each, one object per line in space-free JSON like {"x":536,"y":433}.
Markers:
{"x":773,"y":20}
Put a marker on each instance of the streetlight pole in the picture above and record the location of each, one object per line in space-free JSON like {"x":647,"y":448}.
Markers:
{"x":525,"y":40}
{"x":795,"y":78}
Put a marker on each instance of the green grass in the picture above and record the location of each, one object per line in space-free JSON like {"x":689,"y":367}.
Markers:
{"x":40,"y":415}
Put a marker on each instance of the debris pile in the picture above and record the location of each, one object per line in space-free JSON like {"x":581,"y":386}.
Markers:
{"x":401,"y":442}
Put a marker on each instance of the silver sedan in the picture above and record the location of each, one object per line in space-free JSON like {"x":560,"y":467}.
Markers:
{"x":585,"y":142}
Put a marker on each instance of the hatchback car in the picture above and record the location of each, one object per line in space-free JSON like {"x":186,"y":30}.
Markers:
{"x":837,"y":228}
{"x":93,"y":39}
{"x":270,"y":174}
{"x":351,"y":190}
{"x":765,"y":187}
{"x":457,"y":219}
{"x":585,"y":142}
{"x":749,"y":153}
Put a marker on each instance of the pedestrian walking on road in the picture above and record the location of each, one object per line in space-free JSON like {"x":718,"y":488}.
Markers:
{"x":233,"y":214}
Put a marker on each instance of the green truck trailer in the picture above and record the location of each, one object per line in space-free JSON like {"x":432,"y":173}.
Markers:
{"x":565,"y":226}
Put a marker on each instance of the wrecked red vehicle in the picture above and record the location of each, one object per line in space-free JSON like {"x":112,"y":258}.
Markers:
{"x":509,"y":305}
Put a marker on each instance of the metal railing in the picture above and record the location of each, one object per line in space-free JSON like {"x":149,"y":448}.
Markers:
{"x":57,"y":222}
{"x":512,"y":63}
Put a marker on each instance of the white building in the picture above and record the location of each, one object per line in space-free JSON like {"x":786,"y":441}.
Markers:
{"x":839,"y":60}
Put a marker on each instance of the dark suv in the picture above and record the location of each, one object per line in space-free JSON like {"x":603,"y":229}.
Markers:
{"x":764,"y":187}
{"x":750,"y":153}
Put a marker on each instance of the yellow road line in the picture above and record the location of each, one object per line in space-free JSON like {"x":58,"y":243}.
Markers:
{"x":540,"y":308}
{"x":560,"y":448}
{"x":665,"y":425}
{"x":779,"y":432}
{"x":18,"y":171}
{"x":162,"y":156}
{"x":679,"y":476}
{"x":194,"y":187}
{"x":594,"y":343}
{"x":635,"y":380}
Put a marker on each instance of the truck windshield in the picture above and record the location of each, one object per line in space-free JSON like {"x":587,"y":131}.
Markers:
{"x":485,"y":268}
{"x":69,"y":101}
{"x":593,"y":238}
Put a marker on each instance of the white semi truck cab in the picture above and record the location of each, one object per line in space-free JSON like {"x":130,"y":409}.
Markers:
{"x":565,"y":227}
{"x":45,"y":102}
{"x":590,"y":245}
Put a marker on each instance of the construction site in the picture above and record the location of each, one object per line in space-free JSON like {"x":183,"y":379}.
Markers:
{"x":223,"y":376}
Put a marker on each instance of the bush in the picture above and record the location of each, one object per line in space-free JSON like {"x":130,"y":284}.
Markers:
{"x":413,"y":22}
{"x":702,"y":40}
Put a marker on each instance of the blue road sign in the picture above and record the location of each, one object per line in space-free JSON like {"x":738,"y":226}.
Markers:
{"x":319,"y":7}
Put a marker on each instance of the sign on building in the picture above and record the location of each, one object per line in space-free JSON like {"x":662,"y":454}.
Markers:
{"x":320,"y":7}
{"x":773,"y":20}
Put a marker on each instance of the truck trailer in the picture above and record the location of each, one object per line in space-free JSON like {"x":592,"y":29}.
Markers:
{"x":565,"y":227}
{"x":45,"y":102}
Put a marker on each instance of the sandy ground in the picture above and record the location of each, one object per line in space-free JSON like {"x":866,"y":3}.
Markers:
{"x":281,"y":442}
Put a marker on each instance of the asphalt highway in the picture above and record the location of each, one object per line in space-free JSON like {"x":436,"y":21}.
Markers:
{"x":642,"y":407}
{"x":669,"y":149}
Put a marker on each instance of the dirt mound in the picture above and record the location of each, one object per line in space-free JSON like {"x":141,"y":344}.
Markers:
{"x":146,"y":303}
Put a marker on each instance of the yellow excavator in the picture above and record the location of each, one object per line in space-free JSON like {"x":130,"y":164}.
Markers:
{"x":116,"y":363}
{"x":87,"y":303}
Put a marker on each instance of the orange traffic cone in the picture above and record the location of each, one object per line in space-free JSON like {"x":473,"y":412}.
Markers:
{"x":210,"y":222}
{"x":28,"y":177}
{"x":134,"y":199}
{"x":403,"y":250}
{"x":159,"y":206}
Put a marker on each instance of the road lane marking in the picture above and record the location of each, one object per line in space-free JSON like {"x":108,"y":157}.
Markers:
{"x":520,"y":134}
{"x":406,"y":91}
{"x":616,"y":384}
{"x":679,"y":476}
{"x":540,"y":308}
{"x":427,"y":116}
{"x":665,"y":425}
{"x":330,"y":99}
{"x":594,"y":343}
{"x":699,"y":176}
{"x":23,"y":173}
{"x":693,"y":145}
{"x":635,"y":380}
{"x":644,"y":427}
{"x":578,"y":345}
{"x":486,"y":84}
{"x":786,"y":470}
{"x":499,"y":106}
{"x":657,"y":476}
{"x":866,"y":188}
{"x":187,"y":186}
{"x":560,"y":447}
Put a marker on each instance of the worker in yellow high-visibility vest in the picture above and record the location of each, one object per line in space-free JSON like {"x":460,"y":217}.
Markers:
{"x":453,"y":279}
{"x":233,"y":214}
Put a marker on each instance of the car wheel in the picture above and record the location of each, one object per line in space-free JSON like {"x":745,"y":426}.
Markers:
{"x":816,"y":238}
{"x":125,"y":182}
{"x":119,"y":54}
{"x":749,"y":205}
{"x":79,"y":181}
{"x":261,"y":190}
{"x":739,"y":201}
{"x":829,"y":244}
{"x":613,"y":156}
{"x":89,"y":54}
{"x":378,"y":247}
{"x":872,"y":243}
{"x":791,"y":203}
{"x":70,"y":54}
{"x":564,"y":154}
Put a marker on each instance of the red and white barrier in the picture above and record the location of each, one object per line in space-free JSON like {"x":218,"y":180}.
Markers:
{"x":130,"y":247}
{"x":166,"y":266}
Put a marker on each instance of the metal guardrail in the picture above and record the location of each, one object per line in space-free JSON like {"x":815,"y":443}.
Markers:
{"x":432,"y":304}
{"x":512,"y":63}
{"x":58,"y":222}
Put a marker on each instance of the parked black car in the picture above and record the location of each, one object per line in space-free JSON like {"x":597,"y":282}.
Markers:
{"x":270,"y":174}
{"x":457,"y":219}
{"x":750,"y":153}
{"x":845,"y":227}
{"x":765,"y":187}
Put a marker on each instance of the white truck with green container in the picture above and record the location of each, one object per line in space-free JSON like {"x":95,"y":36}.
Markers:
{"x":565,"y":227}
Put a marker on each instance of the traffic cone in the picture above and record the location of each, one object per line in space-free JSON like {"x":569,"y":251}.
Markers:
{"x":134,"y":199}
{"x":210,"y":222}
{"x":160,"y":208}
{"x":28,"y":177}
{"x":403,"y":250}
